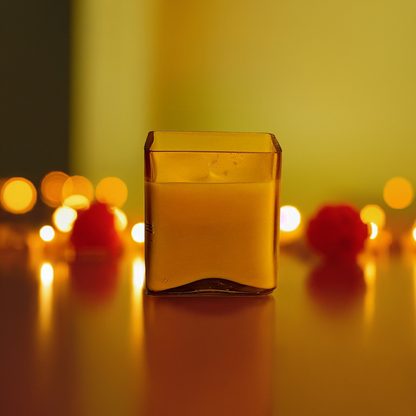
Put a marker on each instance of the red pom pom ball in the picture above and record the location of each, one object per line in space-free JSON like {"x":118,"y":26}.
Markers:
{"x":94,"y":231}
{"x":337,"y":233}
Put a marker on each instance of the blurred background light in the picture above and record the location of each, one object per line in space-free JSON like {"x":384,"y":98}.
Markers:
{"x":51,"y":188}
{"x":77,"y":202}
{"x":120,"y":219}
{"x":47,"y":233}
{"x":112,"y":191}
{"x":64,"y":218}
{"x":18,"y":195}
{"x":289,"y":218}
{"x":373,"y":231}
{"x":373,"y":214}
{"x":398,"y":193}
{"x":137,"y":232}
{"x":77,"y":185}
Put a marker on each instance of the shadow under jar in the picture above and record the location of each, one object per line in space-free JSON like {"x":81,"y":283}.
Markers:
{"x":211,"y":213}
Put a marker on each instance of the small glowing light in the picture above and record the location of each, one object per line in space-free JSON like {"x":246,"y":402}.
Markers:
{"x":414,"y":233}
{"x":47,"y":233}
{"x":112,"y":191}
{"x":137,"y":232}
{"x":77,"y":185}
{"x":18,"y":195}
{"x":46,"y":274}
{"x":289,"y":218}
{"x":51,"y":188}
{"x":121,"y":219}
{"x":374,"y":214}
{"x":373,"y":231}
{"x":77,"y":202}
{"x":64,"y":218}
{"x":398,"y":193}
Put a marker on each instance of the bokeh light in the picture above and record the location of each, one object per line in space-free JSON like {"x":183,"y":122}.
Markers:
{"x":64,"y":218}
{"x":374,"y":214}
{"x":398,"y":193}
{"x":120,"y":219}
{"x":77,"y":202}
{"x":46,"y":274}
{"x":112,"y":191}
{"x":47,"y":233}
{"x":414,"y":233}
{"x":18,"y":195}
{"x":137,"y":232}
{"x":77,"y":185}
{"x":289,"y":218}
{"x":51,"y":188}
{"x":373,"y":231}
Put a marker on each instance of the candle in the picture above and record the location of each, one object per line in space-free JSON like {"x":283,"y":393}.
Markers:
{"x":212,"y":215}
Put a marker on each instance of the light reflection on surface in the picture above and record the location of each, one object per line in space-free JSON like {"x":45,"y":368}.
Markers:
{"x":137,"y":302}
{"x":209,"y":355}
{"x":369,"y":300}
{"x":45,"y":298}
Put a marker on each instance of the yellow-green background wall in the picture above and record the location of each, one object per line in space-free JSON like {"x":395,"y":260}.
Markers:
{"x":335,"y":81}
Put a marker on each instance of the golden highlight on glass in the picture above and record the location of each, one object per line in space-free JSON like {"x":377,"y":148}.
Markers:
{"x":212,"y":212}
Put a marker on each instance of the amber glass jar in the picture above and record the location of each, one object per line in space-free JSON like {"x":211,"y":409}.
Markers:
{"x":211,"y":212}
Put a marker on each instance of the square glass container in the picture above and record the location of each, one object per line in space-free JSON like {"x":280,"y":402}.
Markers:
{"x":211,"y":212}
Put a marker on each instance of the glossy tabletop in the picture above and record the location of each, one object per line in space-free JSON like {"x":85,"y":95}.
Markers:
{"x":82,"y":339}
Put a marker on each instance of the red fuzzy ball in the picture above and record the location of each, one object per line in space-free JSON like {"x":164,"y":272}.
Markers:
{"x":337,"y":233}
{"x":94,"y":231}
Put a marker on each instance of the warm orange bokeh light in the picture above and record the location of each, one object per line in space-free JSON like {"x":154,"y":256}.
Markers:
{"x":137,"y":232}
{"x":289,"y":218}
{"x":112,"y":191}
{"x":373,"y":230}
{"x":47,"y":233}
{"x":120,"y":219}
{"x":64,"y":218}
{"x":398,"y":193}
{"x":77,"y":202}
{"x":374,"y":214}
{"x":77,"y":185}
{"x":18,"y":195}
{"x":51,"y":188}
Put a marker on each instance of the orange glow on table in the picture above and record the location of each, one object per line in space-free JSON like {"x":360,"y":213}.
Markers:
{"x":112,"y":191}
{"x":398,"y":193}
{"x":18,"y":195}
